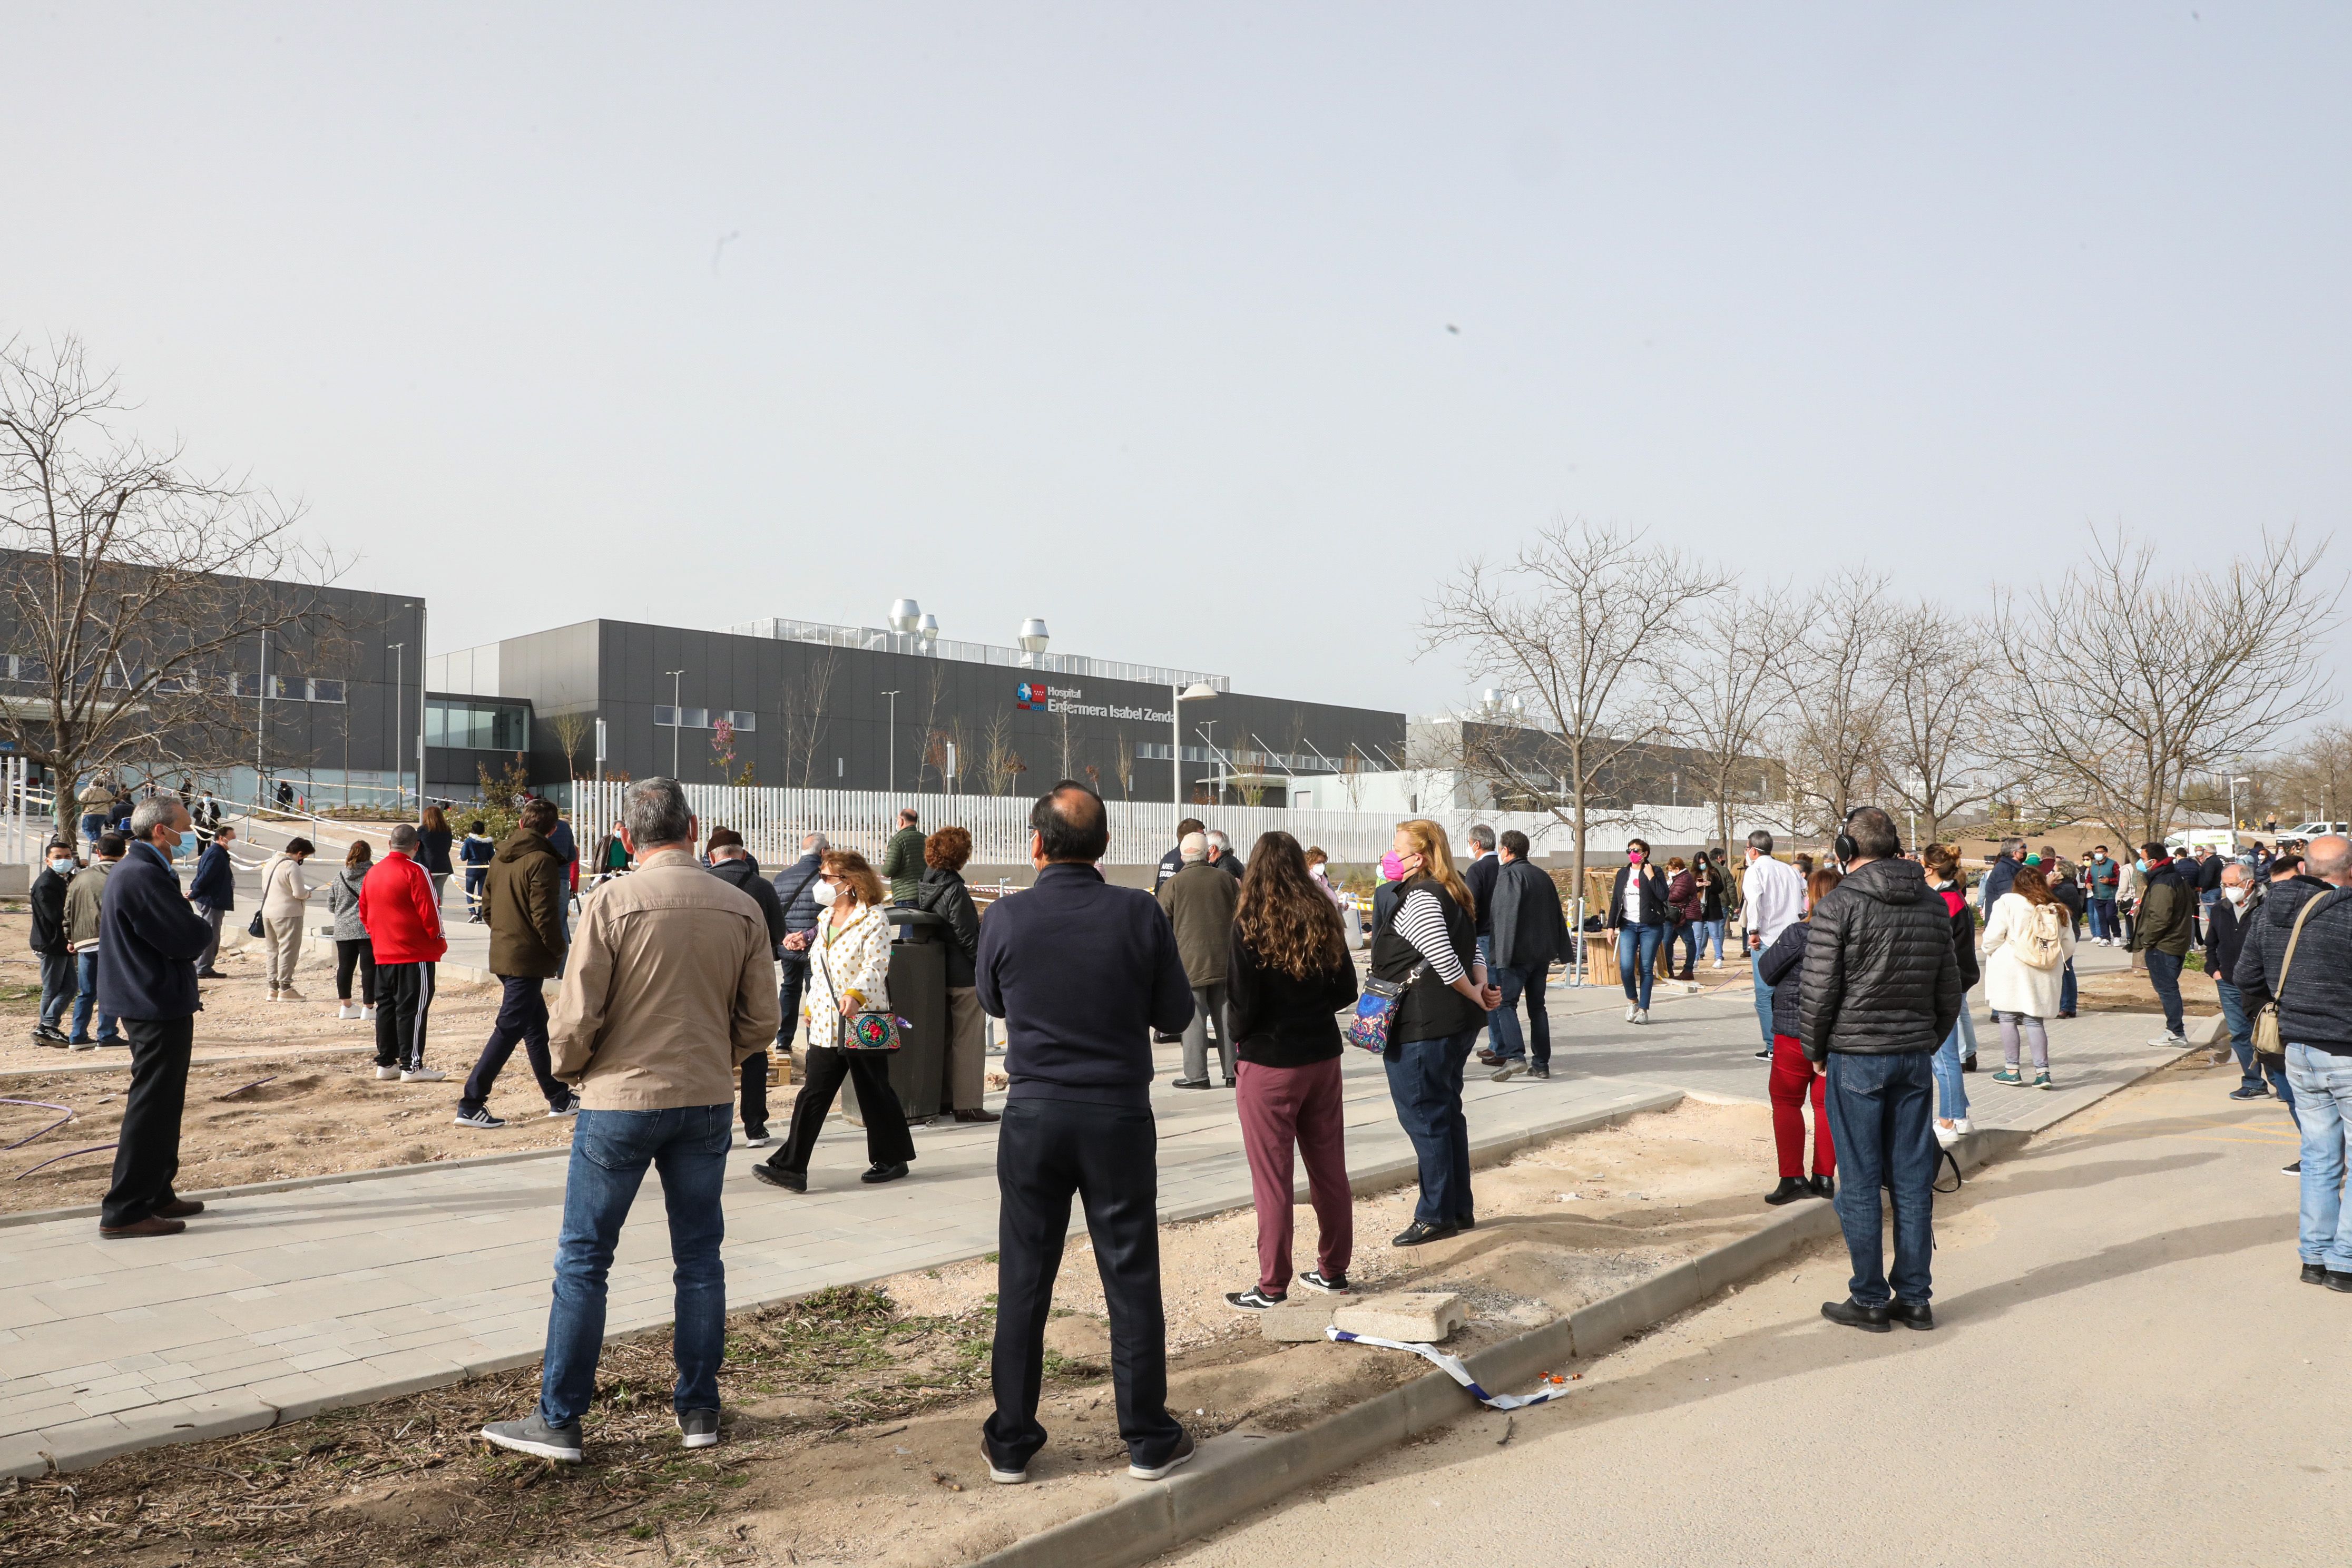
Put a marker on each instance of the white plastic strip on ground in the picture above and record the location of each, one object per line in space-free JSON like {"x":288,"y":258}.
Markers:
{"x":1451,"y":1367}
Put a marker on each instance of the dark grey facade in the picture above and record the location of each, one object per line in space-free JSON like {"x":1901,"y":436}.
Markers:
{"x":813,"y":716}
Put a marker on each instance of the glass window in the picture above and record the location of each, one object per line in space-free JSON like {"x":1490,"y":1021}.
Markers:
{"x":326,"y":690}
{"x":744,"y":722}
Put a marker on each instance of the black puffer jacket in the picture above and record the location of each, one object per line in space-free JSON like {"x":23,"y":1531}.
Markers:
{"x":1880,"y":974}
{"x":1782,"y":966}
{"x":2316,"y":1008}
{"x":944,"y":894}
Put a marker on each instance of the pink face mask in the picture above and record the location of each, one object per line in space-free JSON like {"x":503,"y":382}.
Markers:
{"x":1633,"y":856}
{"x":1391,"y":868}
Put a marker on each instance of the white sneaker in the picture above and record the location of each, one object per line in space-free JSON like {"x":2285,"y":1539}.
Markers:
{"x":1963,"y":1126}
{"x":1948,"y":1135}
{"x":1717,"y":964}
{"x":421,"y":1074}
{"x":273,"y":994}
{"x":289,"y":995}
{"x":367,"y":1013}
{"x":1633,"y":1014}
{"x":347,"y":1011}
{"x":1640,"y":1015}
{"x":2170,"y":1039}
{"x":386,"y":1075}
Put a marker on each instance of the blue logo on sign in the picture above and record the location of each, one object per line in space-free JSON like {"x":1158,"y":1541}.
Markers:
{"x":1028,"y":695}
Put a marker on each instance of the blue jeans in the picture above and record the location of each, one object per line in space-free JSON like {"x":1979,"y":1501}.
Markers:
{"x":1486,"y":957}
{"x":610,"y":1152}
{"x":2164,"y":973}
{"x":59,"y":981}
{"x":2251,"y":1073}
{"x":1968,"y":1027}
{"x":2067,"y":989}
{"x":1881,"y":1126}
{"x":1509,"y":1045}
{"x":1763,"y":1002}
{"x":1637,"y":955}
{"x":85,"y":999}
{"x":2323,"y":1093}
{"x":1710,"y":933}
{"x":1951,"y":1087}
{"x":2102,"y":917}
{"x":1425,"y":1082}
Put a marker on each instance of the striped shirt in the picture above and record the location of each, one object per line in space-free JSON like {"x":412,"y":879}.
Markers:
{"x":1422,"y":921}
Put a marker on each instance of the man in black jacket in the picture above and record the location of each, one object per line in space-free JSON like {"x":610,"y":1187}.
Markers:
{"x":213,"y":891}
{"x":1479,"y":877}
{"x":2168,"y":903}
{"x":1528,"y":935}
{"x":1881,"y":991}
{"x":58,"y":977}
{"x":1081,"y":973}
{"x":148,"y":942}
{"x":2315,"y":1019}
{"x":795,"y":890}
{"x":730,"y":861}
{"x":2225,"y":932}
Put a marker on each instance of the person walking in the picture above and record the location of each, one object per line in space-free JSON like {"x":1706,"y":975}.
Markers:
{"x":85,"y":931}
{"x":148,"y":942}
{"x":1200,"y":900}
{"x":2100,"y":876}
{"x":213,"y":891}
{"x":1881,"y":991}
{"x":404,"y":921}
{"x":1956,"y":1055}
{"x":2296,"y":955}
{"x":353,"y":949}
{"x":47,"y":900}
{"x":1683,"y":904}
{"x":1479,"y":877}
{"x":1708,"y":872}
{"x":849,"y":990}
{"x":2258,"y":1076}
{"x":1530,"y":935}
{"x":285,"y":903}
{"x":902,"y":858}
{"x":668,"y":990}
{"x":433,"y":841}
{"x":2167,"y":904}
{"x":475,"y":852}
{"x":795,"y":888}
{"x":1288,"y":974}
{"x":730,"y":861}
{"x":1081,"y":973}
{"x":1637,"y":915}
{"x":1771,"y":900}
{"x":2027,"y":943}
{"x":523,"y":905}
{"x":943,"y":893}
{"x":1794,"y":1076}
{"x":1430,"y":952}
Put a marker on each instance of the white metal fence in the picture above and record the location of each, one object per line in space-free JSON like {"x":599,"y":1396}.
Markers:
{"x":27,"y":816}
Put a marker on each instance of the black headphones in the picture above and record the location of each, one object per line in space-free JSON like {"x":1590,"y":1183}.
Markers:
{"x":1846,"y":849}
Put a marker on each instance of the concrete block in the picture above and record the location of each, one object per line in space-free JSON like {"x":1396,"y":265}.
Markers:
{"x":1296,"y":1322}
{"x":1415,"y":1316}
{"x":2210,"y":1030}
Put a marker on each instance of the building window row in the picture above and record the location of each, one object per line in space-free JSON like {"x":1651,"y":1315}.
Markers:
{"x":668,"y":717}
{"x":482,"y":726}
{"x":32,"y":670}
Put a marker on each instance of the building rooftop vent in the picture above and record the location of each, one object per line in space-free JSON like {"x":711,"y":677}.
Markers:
{"x":923,"y":640}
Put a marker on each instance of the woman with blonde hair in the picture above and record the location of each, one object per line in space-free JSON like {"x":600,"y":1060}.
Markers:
{"x":285,"y":901}
{"x":2029,"y":939}
{"x":848,"y":984}
{"x":1429,"y":949}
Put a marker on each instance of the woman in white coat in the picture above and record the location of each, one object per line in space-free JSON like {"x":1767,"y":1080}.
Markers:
{"x":2027,"y":940}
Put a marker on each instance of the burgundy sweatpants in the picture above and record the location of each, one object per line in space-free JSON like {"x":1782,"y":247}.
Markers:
{"x":1792,"y":1074}
{"x":1280,"y":1108}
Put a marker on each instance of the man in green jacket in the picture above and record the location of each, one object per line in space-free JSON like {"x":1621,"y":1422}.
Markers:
{"x":2167,"y":902}
{"x":902,"y":858}
{"x":523,"y":902}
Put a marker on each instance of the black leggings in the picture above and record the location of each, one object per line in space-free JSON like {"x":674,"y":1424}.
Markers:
{"x":363,"y":954}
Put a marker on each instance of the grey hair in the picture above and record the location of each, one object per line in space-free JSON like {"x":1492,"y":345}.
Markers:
{"x":2238,"y":870}
{"x":815,"y":843}
{"x":403,"y":837}
{"x":1217,"y":836}
{"x":156,"y":811}
{"x":1760,"y":841}
{"x":1482,"y":835}
{"x":654,"y":812}
{"x":2010,"y":846}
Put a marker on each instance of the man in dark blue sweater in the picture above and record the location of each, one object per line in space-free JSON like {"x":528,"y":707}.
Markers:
{"x":148,"y":941}
{"x":1081,"y":973}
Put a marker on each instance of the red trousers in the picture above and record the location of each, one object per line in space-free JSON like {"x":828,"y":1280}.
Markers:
{"x":1283,"y":1108}
{"x":1792,"y":1074}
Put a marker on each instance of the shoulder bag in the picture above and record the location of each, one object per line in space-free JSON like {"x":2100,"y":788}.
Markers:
{"x":253,"y":927}
{"x":2266,"y":1021}
{"x":1376,"y":1010}
{"x":868,"y":1028}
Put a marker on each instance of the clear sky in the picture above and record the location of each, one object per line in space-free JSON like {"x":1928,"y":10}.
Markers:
{"x":1144,"y":318}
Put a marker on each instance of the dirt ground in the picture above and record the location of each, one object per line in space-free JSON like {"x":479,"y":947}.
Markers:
{"x":852,"y":1421}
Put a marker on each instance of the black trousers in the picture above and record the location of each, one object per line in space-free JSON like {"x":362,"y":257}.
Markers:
{"x":360,"y":955}
{"x":404,"y":1006}
{"x":888,"y":1142}
{"x":523,"y":1018}
{"x":1046,"y":1151}
{"x":147,"y":1152}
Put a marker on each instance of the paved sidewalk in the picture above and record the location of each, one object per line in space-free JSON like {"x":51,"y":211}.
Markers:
{"x":276,"y":1305}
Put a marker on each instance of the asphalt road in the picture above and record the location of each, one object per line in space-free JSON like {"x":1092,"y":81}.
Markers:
{"x":2126,"y":1370}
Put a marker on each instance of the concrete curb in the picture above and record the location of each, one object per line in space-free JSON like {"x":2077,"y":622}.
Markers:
{"x":296,"y":1184}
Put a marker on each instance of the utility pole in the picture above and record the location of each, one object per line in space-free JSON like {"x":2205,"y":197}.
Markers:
{"x":260,"y":720}
{"x":422,"y":671}
{"x":893,"y":783}
{"x":677,"y":717}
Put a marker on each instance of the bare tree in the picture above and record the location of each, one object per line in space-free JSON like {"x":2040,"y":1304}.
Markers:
{"x":1727,"y":690}
{"x":1579,"y":623}
{"x":2126,"y":679}
{"x":1835,"y":705}
{"x":935,"y":687}
{"x":1940,"y":695}
{"x":571,"y":732}
{"x":131,"y":585}
{"x":804,"y":716}
{"x":2316,"y":775}
{"x":1000,"y":764}
{"x":1125,"y":764}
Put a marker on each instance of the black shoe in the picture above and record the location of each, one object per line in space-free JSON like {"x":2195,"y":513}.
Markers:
{"x":2065,"y":1015}
{"x":1254,"y":1299}
{"x":1160,"y":1039}
{"x":210,"y":974}
{"x":1158,"y":1472}
{"x":1328,"y":1285}
{"x":1539,"y":1069}
{"x":1921,"y":1316}
{"x":777,"y":1176}
{"x":2335,"y":1281}
{"x":1790,"y":1189}
{"x":878,"y":1174}
{"x":2314,"y":1274}
{"x":1187,"y":1083}
{"x":1765,"y":1055}
{"x":1227,"y":1084}
{"x":1967,"y":1064}
{"x":1466,"y":1222}
{"x":1825,"y":1185}
{"x":977,"y":1115}
{"x":1421,"y":1231}
{"x":2251,"y":1091}
{"x":1854,"y":1315}
{"x":2294,"y":1170}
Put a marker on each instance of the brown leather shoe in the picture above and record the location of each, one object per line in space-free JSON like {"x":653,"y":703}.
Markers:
{"x":152,"y":1226}
{"x":180,"y":1208}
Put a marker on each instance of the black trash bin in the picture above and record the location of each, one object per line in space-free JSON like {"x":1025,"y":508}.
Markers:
{"x":918,"y":994}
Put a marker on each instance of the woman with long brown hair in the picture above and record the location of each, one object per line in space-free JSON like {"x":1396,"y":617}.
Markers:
{"x":1430,"y":948}
{"x":2029,"y":939}
{"x":849,"y":975}
{"x":1288,"y":974}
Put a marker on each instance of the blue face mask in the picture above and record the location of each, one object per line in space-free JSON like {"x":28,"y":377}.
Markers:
{"x":2141,"y":864}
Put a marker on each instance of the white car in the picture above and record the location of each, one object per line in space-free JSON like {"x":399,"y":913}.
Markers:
{"x":2310,"y":830}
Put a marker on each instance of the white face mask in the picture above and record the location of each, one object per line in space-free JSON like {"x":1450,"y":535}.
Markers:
{"x":2235,"y":895}
{"x":823,"y":892}
{"x":62,"y":867}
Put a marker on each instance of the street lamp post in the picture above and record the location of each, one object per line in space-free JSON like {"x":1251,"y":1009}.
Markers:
{"x":2234,"y":782}
{"x":677,"y":717}
{"x":893,"y":783}
{"x":399,"y":742}
{"x":1180,"y":696}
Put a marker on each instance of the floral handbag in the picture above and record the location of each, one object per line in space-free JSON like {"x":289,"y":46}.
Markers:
{"x":868,"y":1029}
{"x":1376,"y":1008}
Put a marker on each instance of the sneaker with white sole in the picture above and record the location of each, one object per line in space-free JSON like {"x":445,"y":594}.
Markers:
{"x":367,"y":1013}
{"x":1159,"y":1472}
{"x":1329,"y":1284}
{"x":998,"y":1473}
{"x":1254,"y":1299}
{"x":697,"y":1428}
{"x":2169,"y":1039}
{"x":422,"y":1075}
{"x":534,"y":1437}
{"x":757,"y":1137}
{"x":569,"y":1108}
{"x":481,"y":1119}
{"x":1963,"y":1126}
{"x":1946,"y":1136}
{"x":386,"y":1075}
{"x":1632,"y":1012}
{"x":288,"y":993}
{"x":1640,"y":1015}
{"x":347,"y":1011}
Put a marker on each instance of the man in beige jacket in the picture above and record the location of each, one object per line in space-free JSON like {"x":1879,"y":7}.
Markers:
{"x":670,"y":986}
